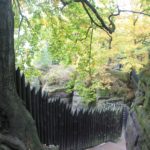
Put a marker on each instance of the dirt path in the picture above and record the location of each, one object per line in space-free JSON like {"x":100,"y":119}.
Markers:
{"x":120,"y":145}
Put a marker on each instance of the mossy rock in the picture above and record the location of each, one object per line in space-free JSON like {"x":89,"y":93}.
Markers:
{"x":144,"y":121}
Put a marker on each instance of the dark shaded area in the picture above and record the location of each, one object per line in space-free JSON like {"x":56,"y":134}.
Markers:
{"x":134,"y":78}
{"x":4,"y":123}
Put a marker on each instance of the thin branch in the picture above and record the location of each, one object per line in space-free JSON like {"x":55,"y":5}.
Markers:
{"x":92,"y":8}
{"x":90,"y":55}
{"x":91,"y":39}
{"x":20,"y":12}
{"x":135,"y":20}
{"x":135,"y":12}
{"x":110,"y":40}
{"x":109,"y":28}
{"x":86,"y":35}
{"x":92,"y":20}
{"x":23,"y":17}
{"x":113,"y":15}
{"x":21,"y":21}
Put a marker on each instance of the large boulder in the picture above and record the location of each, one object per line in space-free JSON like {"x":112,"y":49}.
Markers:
{"x":55,"y":79}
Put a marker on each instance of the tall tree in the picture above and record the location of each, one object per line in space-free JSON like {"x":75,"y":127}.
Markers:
{"x":17,"y":129}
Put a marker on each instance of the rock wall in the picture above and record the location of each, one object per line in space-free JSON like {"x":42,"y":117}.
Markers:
{"x":137,"y":134}
{"x":54,"y":81}
{"x":133,"y":134}
{"x":138,"y":124}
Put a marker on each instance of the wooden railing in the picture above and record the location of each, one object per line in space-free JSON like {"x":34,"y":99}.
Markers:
{"x":57,"y":124}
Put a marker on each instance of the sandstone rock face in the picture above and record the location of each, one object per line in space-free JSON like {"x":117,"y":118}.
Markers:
{"x":137,"y":132}
{"x":133,"y":133}
{"x":54,"y":81}
{"x":138,"y":125}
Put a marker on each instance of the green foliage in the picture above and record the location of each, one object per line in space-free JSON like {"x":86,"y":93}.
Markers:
{"x":50,"y":32}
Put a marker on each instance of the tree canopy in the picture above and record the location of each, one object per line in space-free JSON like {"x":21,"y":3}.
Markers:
{"x":91,"y":35}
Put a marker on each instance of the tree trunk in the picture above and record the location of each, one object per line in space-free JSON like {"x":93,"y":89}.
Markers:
{"x":17,"y":128}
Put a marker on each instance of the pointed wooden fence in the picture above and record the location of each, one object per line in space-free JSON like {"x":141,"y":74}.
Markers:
{"x":57,"y":124}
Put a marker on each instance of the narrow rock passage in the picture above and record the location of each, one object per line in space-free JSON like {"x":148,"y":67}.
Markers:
{"x":120,"y":145}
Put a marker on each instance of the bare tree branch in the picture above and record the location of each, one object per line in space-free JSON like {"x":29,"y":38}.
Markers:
{"x":113,"y":15}
{"x":23,"y":17}
{"x":92,"y":21}
{"x":88,"y":13}
{"x":103,"y":24}
{"x":135,"y":12}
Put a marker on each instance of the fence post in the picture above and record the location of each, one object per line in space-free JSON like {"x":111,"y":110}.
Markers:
{"x":44,"y":119}
{"x":18,"y":82}
{"x":28,"y":98}
{"x":47,"y":120}
{"x":40,"y":114}
{"x":23,"y":89}
{"x":33,"y":103}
